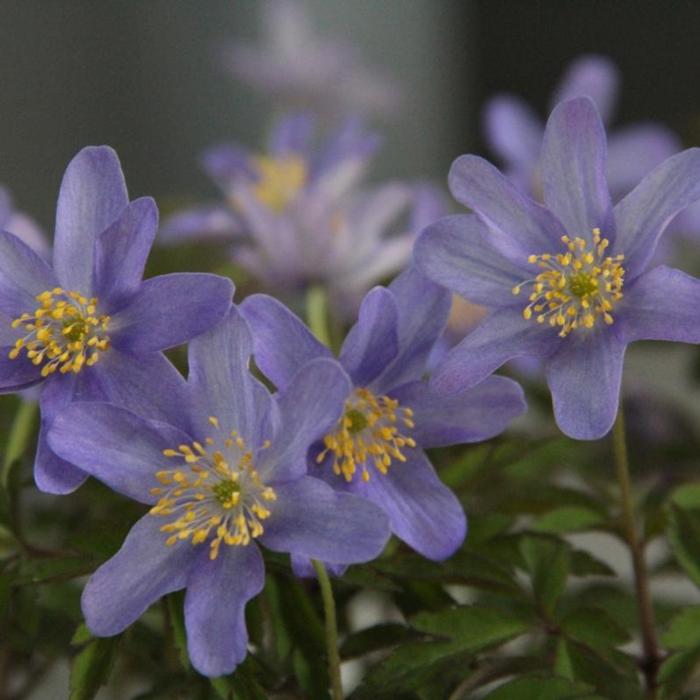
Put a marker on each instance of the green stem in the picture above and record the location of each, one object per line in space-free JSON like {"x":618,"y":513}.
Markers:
{"x":650,"y":646}
{"x":317,"y":313}
{"x":20,"y":432}
{"x":331,"y":630}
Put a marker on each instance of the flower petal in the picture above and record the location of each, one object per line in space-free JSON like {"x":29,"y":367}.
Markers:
{"x":17,"y":374}
{"x":513,"y":131}
{"x":282,"y":343}
{"x":309,"y":406}
{"x":372,"y":342}
{"x":211,"y":222}
{"x":169,"y":310}
{"x":92,"y":196}
{"x":574,"y":162}
{"x":310,"y":519}
{"x":475,"y":414}
{"x":292,"y":135}
{"x":642,"y":216}
{"x":221,"y":384}
{"x":114,"y":445}
{"x":429,"y":203}
{"x":591,"y":76}
{"x":142,"y":571}
{"x":456,"y":252}
{"x":423,"y":512}
{"x":662,"y":304}
{"x":121,"y":251}
{"x":584,"y":378}
{"x":303,"y":568}
{"x":217,"y":593}
{"x":23,"y":275}
{"x":501,"y":336}
{"x":520,"y":226}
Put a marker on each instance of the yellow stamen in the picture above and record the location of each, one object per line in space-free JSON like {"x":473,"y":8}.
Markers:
{"x":280,"y":180}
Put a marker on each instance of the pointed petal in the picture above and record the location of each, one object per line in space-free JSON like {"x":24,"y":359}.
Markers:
{"x":372,"y":342}
{"x":142,"y":571}
{"x":429,"y":203}
{"x":309,"y":406}
{"x":642,"y":216}
{"x":115,"y":446}
{"x":211,"y":222}
{"x":423,"y":512}
{"x":121,"y":251}
{"x":92,"y":196}
{"x":513,"y":131}
{"x":217,"y":593}
{"x":503,"y":335}
{"x":662,"y":304}
{"x":310,"y":519}
{"x":574,"y":163}
{"x":584,"y":378}
{"x":221,"y":384}
{"x":292,"y":135}
{"x":475,"y":414}
{"x":520,"y":226}
{"x":282,"y":343}
{"x":170,"y":310}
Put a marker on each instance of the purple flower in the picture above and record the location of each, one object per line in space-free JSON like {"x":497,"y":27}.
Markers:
{"x":226,"y":470}
{"x":88,"y":327}
{"x":22,"y":225}
{"x":297,"y":216}
{"x":514,"y":132}
{"x":298,"y":67}
{"x":566,"y":282}
{"x":391,"y":412}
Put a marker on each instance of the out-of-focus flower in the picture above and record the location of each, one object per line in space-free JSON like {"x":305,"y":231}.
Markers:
{"x":294,"y":65}
{"x":22,"y":225}
{"x":226,"y":471}
{"x":298,"y":218}
{"x":567,"y":282}
{"x":88,"y":326}
{"x":514,"y":131}
{"x":391,"y":413}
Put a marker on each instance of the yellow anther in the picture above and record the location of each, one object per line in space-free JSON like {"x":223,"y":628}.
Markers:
{"x":279,"y":180}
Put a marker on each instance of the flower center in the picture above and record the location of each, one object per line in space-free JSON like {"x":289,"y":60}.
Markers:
{"x":368,"y":431}
{"x":64,"y":330}
{"x":215,"y":490}
{"x":575,"y":288}
{"x":280,"y":180}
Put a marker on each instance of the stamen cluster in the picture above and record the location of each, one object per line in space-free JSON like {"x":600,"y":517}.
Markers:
{"x":65,"y":330}
{"x":575,"y":288}
{"x":280,"y":180}
{"x":369,"y":430}
{"x":216,"y":491}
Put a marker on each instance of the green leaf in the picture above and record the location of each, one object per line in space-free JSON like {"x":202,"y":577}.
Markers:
{"x":81,"y":635}
{"x":91,"y":668}
{"x":687,"y":496}
{"x":547,"y":561}
{"x":176,"y":618}
{"x":583,"y":563}
{"x":38,"y":571}
{"x":676,"y":671}
{"x":684,"y":536}
{"x":562,"y":660}
{"x":593,"y":626}
{"x":543,"y":688}
{"x":374,"y":638}
{"x":684,"y":631}
{"x":569,"y":519}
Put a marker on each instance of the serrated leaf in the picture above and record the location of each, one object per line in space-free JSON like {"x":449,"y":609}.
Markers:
{"x":91,"y":668}
{"x":684,"y":631}
{"x":547,"y":561}
{"x":543,"y":688}
{"x":569,"y":519}
{"x":593,"y":626}
{"x":684,"y":536}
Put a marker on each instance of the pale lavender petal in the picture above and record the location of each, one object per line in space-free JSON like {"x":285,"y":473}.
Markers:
{"x":457,"y":252}
{"x":422,"y":511}
{"x":227,"y":162}
{"x":473,"y":415}
{"x":429,"y":203}
{"x":372,"y":342}
{"x":212,"y":222}
{"x":25,"y":228}
{"x":292,"y":135}
{"x":303,"y":568}
{"x":584,"y":378}
{"x":23,"y":275}
{"x":574,"y":162}
{"x":520,"y":226}
{"x":500,"y":337}
{"x":114,"y":445}
{"x":591,"y":76}
{"x":92,"y":196}
{"x":662,"y":304}
{"x":221,"y":384}
{"x":121,"y":251}
{"x":282,"y":343}
{"x":513,"y":131}
{"x":17,"y":374}
{"x":642,"y":216}
{"x":312,"y":520}
{"x":634,"y":152}
{"x":142,"y":571}
{"x":217,"y":593}
{"x":170,"y":310}
{"x":309,"y":406}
